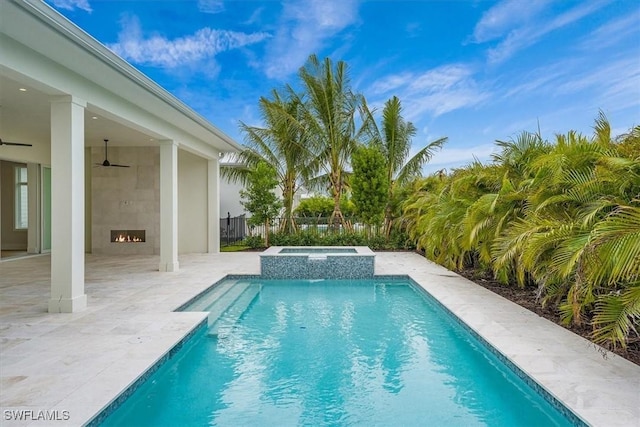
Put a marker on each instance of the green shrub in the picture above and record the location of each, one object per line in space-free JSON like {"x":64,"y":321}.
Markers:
{"x":254,"y":242}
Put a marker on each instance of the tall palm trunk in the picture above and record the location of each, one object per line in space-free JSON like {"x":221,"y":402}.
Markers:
{"x":288,"y":223}
{"x":337,"y":218}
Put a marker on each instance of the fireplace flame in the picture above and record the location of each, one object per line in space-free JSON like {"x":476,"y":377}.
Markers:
{"x":121,"y":238}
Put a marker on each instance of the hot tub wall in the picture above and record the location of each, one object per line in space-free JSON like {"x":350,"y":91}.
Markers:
{"x":329,"y":266}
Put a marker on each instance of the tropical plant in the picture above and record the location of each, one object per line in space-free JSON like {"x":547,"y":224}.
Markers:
{"x":280,"y":143}
{"x":562,"y":216}
{"x":394,"y":139}
{"x":315,"y":206}
{"x":322,"y":207}
{"x":328,"y":121}
{"x":369,"y":184}
{"x":259,"y":198}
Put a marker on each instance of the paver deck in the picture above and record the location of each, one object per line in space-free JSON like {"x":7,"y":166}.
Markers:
{"x":76,"y":364}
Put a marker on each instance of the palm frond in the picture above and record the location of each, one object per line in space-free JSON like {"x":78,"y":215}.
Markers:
{"x":616,"y":317}
{"x":413,"y":167}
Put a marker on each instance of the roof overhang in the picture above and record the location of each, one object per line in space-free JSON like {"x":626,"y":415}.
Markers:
{"x":45,"y":51}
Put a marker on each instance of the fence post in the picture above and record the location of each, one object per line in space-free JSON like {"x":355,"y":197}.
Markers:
{"x":228,"y":224}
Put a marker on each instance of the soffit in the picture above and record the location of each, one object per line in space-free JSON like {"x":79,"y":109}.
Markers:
{"x":53,"y":36}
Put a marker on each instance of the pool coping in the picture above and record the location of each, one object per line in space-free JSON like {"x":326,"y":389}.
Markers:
{"x":118,"y":400}
{"x":276,"y":251}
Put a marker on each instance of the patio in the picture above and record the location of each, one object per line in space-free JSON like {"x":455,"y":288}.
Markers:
{"x":77,"y":363}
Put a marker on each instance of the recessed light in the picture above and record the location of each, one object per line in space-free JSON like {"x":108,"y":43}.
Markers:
{"x":22,"y":89}
{"x":94,"y":117}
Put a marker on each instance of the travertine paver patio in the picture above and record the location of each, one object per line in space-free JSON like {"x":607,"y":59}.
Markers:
{"x":76,"y":364}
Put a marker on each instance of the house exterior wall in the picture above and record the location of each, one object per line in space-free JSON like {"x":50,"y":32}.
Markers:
{"x":192,"y":203}
{"x":230,"y":199}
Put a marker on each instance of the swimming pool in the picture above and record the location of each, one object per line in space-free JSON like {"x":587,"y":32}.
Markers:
{"x":332,"y":352}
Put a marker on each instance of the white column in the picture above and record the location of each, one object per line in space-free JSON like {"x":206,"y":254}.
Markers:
{"x":213,"y":192}
{"x":168,"y":206}
{"x":67,"y":205}
{"x":33,"y":186}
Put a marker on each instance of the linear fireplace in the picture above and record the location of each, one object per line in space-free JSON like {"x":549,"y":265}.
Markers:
{"x":128,"y":236}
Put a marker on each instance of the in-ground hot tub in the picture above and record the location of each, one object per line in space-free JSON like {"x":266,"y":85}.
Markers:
{"x":317,"y":262}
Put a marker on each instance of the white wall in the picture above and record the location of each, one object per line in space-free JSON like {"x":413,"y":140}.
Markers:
{"x":192,"y":203}
{"x":230,"y":199}
{"x":39,"y":152}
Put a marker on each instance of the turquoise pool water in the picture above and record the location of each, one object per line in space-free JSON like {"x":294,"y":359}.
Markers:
{"x":318,"y":251}
{"x":332,"y":353}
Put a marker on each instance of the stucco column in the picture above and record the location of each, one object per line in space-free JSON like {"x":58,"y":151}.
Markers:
{"x":213,"y":191}
{"x":67,"y":205}
{"x":168,"y":206}
{"x":33,"y":186}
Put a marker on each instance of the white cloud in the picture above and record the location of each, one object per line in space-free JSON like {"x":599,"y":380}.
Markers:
{"x":211,"y":6}
{"x":617,"y":83}
{"x":441,"y":78}
{"x":612,"y":32}
{"x":413,"y":29}
{"x":72,"y":4}
{"x":602,"y":77}
{"x":436,"y":91}
{"x":520,"y":30}
{"x":157,"y":50}
{"x":255,"y":16}
{"x":542,"y":79}
{"x":303,"y":28}
{"x":501,"y":18}
{"x":390,"y":83}
{"x":449,"y":157}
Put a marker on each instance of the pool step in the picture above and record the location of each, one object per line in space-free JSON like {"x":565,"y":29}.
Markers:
{"x":222,"y":304}
{"x":224,"y":322}
{"x":212,"y":297}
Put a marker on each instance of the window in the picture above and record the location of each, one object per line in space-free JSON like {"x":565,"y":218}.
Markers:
{"x":22,"y":198}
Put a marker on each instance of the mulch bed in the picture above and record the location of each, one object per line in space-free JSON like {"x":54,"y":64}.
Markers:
{"x":526,"y":297}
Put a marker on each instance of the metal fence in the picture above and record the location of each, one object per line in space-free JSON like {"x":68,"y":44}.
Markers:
{"x":233,"y":230}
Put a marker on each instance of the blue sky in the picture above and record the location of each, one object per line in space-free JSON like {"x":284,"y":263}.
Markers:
{"x":474,"y":71}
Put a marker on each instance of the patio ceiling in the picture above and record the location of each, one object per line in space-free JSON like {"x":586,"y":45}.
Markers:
{"x":25,"y":117}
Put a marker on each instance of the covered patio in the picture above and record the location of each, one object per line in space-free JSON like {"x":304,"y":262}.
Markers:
{"x":72,"y":110}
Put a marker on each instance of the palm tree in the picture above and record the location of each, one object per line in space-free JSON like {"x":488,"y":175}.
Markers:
{"x":328,"y":121}
{"x":279,"y":143}
{"x":580,"y":237}
{"x":563,"y":216}
{"x":393,"y":138}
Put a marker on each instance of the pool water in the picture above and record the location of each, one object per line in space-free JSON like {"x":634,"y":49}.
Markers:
{"x":318,"y":251}
{"x":333,"y":353}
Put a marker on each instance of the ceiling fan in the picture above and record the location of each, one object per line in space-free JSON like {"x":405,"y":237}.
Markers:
{"x":21,"y":144}
{"x":106,"y":158}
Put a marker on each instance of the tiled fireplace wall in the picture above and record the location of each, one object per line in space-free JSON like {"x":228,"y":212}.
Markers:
{"x":125,"y":199}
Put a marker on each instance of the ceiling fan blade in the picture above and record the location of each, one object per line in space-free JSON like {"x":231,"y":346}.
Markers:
{"x":106,"y":162}
{"x":21,"y":144}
